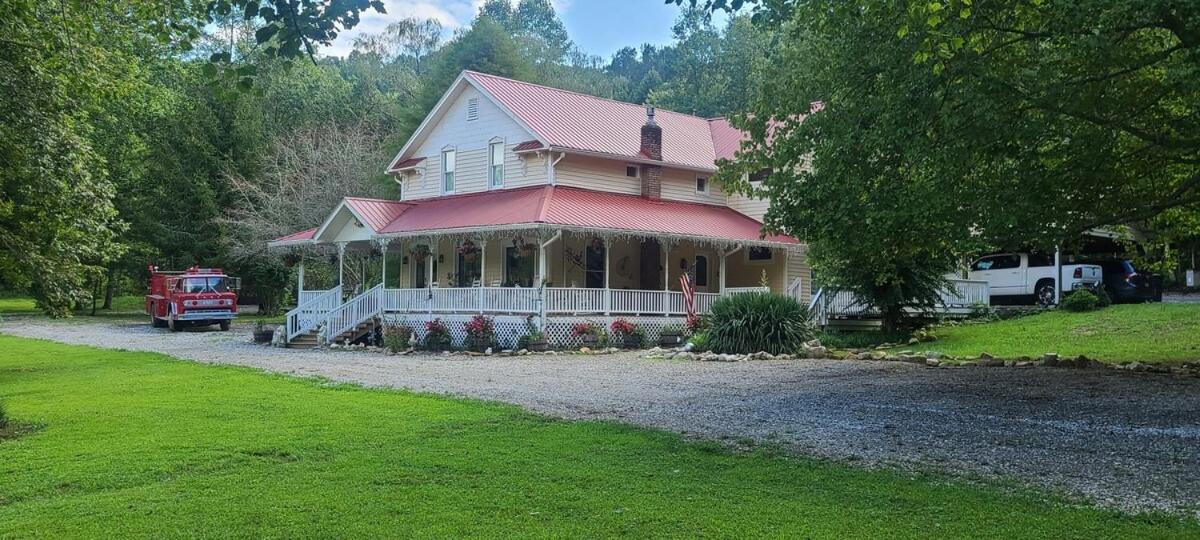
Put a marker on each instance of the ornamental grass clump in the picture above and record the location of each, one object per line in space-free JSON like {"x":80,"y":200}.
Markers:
{"x":753,"y":322}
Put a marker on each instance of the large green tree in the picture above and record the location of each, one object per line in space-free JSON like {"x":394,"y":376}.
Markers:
{"x":902,"y":135}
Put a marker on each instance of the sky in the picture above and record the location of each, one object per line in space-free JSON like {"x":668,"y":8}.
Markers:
{"x":599,"y":27}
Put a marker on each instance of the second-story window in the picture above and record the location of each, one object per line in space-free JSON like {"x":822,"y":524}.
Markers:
{"x":496,"y":163}
{"x":701,"y":184}
{"x":448,"y":171}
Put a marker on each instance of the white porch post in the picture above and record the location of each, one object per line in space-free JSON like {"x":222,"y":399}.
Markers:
{"x":607,"y":290}
{"x":721,"y":278}
{"x":1058,"y":284}
{"x":383,"y":248}
{"x":666,"y":278}
{"x":300,"y":280}
{"x":482,"y":272}
{"x":341,"y":263}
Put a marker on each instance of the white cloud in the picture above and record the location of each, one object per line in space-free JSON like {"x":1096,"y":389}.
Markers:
{"x":451,"y":13}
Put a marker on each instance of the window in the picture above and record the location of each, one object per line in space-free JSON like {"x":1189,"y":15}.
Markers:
{"x":496,"y":160}
{"x":701,"y":184}
{"x":631,"y":171}
{"x":758,"y":254}
{"x":448,"y":157}
{"x":701,"y":271}
{"x":1037,"y":259}
{"x":518,"y":268}
{"x":472,"y":109}
{"x":757,"y":178}
{"x":594,"y":264}
{"x":997,"y":262}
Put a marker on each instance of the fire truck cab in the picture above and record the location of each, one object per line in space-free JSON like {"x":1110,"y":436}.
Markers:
{"x":194,"y":297}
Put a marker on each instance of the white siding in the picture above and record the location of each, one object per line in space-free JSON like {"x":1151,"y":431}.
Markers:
{"x":751,"y":206}
{"x":609,"y":175}
{"x":471,"y":139}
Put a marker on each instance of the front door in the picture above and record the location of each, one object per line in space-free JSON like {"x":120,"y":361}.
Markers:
{"x":595,"y":267}
{"x":651,"y":265}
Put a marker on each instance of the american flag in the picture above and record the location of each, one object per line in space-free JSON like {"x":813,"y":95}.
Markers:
{"x":689,"y":295}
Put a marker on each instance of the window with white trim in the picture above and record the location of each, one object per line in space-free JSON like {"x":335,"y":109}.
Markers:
{"x":448,"y":157}
{"x":496,"y":164}
{"x":701,"y":184}
{"x":631,"y":171}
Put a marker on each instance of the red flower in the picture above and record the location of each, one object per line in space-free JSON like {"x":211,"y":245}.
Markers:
{"x":623,"y":327}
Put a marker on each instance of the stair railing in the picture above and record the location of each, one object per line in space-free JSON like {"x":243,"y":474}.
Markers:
{"x":312,"y":312}
{"x":354,"y":312}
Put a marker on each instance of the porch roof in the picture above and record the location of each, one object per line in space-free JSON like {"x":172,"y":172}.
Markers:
{"x":559,"y":207}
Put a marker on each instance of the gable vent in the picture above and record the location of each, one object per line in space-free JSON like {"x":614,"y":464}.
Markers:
{"x":472,"y":109}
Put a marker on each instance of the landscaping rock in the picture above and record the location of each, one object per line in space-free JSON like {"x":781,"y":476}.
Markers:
{"x":933,"y":362}
{"x":934,"y":355}
{"x":986,"y":356}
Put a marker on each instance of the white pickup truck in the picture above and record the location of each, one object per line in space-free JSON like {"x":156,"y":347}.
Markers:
{"x":1014,"y":276}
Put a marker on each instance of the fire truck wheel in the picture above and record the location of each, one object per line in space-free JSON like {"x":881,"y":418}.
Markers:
{"x":224,"y":326}
{"x":156,"y":322}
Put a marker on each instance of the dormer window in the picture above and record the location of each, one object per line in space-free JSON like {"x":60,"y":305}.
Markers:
{"x":631,"y":171}
{"x":472,"y":109}
{"x":701,"y":184}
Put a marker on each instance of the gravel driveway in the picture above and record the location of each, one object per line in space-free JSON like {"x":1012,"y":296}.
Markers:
{"x":1124,"y":440}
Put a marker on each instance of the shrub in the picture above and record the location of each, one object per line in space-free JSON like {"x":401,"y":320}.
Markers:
{"x":699,"y":341}
{"x":1103,"y":300}
{"x":437,"y":336}
{"x":396,"y":337}
{"x":481,"y":332}
{"x":627,"y":334}
{"x":753,"y":322}
{"x":696,"y":325}
{"x":1081,"y":300}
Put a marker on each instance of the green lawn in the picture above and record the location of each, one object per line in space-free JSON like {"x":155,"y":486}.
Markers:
{"x":138,"y":444}
{"x":1119,"y":333}
{"x":124,"y":307}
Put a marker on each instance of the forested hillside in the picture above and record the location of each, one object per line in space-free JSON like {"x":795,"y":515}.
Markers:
{"x":135,"y":132}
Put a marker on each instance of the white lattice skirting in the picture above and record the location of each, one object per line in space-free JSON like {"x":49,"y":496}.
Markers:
{"x":510,"y":328}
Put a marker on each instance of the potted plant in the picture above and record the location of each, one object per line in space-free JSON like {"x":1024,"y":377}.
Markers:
{"x":481,"y":333}
{"x":468,"y":250}
{"x":671,"y":336}
{"x":437,"y":336}
{"x":263,"y":333}
{"x":627,"y":334}
{"x":418,"y":253}
{"x":536,"y":341}
{"x":587,"y":333}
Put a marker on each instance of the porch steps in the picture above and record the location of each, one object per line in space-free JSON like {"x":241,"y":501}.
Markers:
{"x":309,"y":340}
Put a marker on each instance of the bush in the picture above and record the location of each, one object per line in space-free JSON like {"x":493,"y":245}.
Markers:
{"x":699,"y":341}
{"x":1103,"y":300}
{"x":1081,"y":300}
{"x":437,"y":336}
{"x":481,"y":333}
{"x":753,"y":322}
{"x":396,"y":337}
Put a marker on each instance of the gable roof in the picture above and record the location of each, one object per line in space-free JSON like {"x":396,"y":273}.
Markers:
{"x":580,"y":123}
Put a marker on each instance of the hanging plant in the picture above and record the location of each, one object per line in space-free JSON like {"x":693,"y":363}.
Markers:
{"x":596,"y":244}
{"x":468,"y":250}
{"x":418,"y":253}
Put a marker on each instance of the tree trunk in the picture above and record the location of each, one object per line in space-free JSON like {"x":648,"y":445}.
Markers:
{"x":108,"y":289}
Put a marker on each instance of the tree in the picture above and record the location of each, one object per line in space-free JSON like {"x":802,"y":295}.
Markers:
{"x":713,"y":70}
{"x":948,"y":127}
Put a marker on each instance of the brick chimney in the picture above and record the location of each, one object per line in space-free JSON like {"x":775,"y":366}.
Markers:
{"x":652,"y":149}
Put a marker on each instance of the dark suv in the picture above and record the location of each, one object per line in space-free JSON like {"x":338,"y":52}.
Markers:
{"x":1126,"y":284}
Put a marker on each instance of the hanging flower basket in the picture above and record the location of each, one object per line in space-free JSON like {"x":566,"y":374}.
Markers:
{"x":469,"y":251}
{"x":418,"y":253}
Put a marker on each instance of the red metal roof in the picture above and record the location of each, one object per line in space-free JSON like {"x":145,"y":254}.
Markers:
{"x":726,"y":139}
{"x":407,"y":164}
{"x":528,"y":145}
{"x":578,"y":121}
{"x":578,"y":208}
{"x":377,"y":212}
{"x":306,"y":234}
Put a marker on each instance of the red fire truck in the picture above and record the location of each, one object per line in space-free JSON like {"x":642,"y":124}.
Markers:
{"x":195,"y":297}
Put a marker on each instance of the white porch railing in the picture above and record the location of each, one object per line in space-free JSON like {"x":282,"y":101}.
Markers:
{"x":528,"y":301}
{"x":739,"y":290}
{"x":311,"y":310}
{"x":960,"y":299}
{"x":354,"y":312}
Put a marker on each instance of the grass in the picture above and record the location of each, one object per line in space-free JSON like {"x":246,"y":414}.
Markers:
{"x":1119,"y":333}
{"x":140,"y":444}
